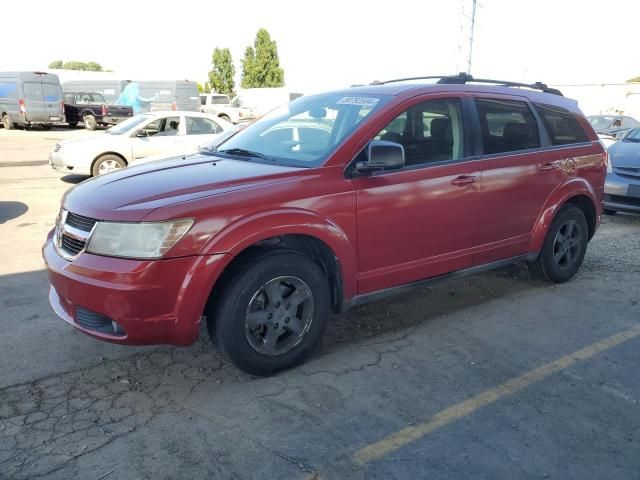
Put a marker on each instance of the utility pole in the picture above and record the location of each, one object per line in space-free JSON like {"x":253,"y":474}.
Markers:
{"x":473,"y":26}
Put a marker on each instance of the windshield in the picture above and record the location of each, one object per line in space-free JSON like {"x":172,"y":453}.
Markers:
{"x":127,"y":125}
{"x":633,"y":135}
{"x":305,"y":131}
{"x":600,"y":121}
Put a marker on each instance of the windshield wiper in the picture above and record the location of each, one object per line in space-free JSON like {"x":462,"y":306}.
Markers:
{"x":241,"y":152}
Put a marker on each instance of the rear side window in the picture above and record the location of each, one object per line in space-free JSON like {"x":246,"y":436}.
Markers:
{"x":33,"y":91}
{"x":507,"y":126}
{"x":561,"y":124}
{"x":202,"y":126}
{"x":8,"y":90}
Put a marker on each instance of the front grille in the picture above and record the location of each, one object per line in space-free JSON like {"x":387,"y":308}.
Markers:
{"x":72,"y":245}
{"x":623,"y":200}
{"x":627,"y":172}
{"x":81,"y":223}
{"x":97,"y":322}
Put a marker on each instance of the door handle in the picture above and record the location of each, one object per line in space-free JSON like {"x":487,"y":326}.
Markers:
{"x":463,"y":180}
{"x":551,"y":165}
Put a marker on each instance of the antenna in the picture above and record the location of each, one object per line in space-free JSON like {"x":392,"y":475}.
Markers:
{"x":471,"y":31}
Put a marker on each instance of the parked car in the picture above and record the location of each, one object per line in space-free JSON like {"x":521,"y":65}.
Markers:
{"x":153,"y":133}
{"x":263,"y":237}
{"x":220,"y":105}
{"x":143,"y":95}
{"x":622,"y":187}
{"x":92,"y":109}
{"x":612,"y":125}
{"x":30,"y":98}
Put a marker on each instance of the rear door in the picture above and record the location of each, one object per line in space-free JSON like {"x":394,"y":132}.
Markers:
{"x":52,"y":100}
{"x":186,"y":96}
{"x":200,"y":131}
{"x":518,"y":176}
{"x":35,"y":108}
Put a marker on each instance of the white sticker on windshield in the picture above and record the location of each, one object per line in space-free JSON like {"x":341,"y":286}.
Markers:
{"x":361,"y":101}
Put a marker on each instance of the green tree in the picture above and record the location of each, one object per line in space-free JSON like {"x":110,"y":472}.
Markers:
{"x":633,"y":80}
{"x":76,"y":65}
{"x":222,"y":71}
{"x":261,"y":64}
{"x":56,"y":64}
{"x":206,"y":88}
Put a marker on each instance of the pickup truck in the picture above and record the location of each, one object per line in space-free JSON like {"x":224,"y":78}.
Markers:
{"x":223,"y":107}
{"x":92,"y":109}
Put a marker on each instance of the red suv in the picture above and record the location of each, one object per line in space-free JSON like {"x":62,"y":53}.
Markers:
{"x":325,"y":203}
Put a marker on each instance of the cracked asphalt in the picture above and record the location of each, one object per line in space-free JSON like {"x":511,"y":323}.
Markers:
{"x":72,"y":407}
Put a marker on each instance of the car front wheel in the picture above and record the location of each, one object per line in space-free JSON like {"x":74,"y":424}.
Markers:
{"x":271,"y":313}
{"x":106,"y":164}
{"x":564,"y":246}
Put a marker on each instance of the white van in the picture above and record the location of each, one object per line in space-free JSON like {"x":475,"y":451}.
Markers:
{"x":30,"y":98}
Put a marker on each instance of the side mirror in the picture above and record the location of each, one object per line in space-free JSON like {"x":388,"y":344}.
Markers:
{"x":382,"y":155}
{"x":142,"y":133}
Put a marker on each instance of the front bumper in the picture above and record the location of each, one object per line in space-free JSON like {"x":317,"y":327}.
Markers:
{"x":153,"y":302}
{"x":622,"y":194}
{"x":62,"y":164}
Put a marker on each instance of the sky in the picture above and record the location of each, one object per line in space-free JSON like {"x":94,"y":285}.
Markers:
{"x":331,"y":44}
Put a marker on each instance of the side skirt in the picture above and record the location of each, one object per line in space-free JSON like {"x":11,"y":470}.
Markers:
{"x":387,"y":292}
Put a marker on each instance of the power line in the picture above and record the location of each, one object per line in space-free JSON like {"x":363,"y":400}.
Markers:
{"x":472,"y":29}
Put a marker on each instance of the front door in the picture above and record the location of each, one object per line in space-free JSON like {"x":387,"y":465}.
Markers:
{"x":163,"y":136}
{"x":419,"y":221}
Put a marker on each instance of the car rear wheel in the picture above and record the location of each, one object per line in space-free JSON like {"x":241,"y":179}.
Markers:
{"x":6,"y":122}
{"x":90,"y":122}
{"x":106,"y":164}
{"x":271,"y":312}
{"x":564,"y":246}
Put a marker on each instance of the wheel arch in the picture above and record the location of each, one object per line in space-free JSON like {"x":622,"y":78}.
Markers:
{"x":102,"y":154}
{"x":578,"y":192}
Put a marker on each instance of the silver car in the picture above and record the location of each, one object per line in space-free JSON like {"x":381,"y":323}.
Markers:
{"x":622,"y":188}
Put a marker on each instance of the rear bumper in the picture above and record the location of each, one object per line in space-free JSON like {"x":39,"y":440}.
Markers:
{"x":154,"y":302}
{"x":113,"y":120}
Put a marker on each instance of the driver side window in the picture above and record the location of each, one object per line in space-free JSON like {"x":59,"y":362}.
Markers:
{"x":430,"y":132}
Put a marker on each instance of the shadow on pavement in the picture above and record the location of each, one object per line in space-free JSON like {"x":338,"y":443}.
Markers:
{"x":75,"y":179}
{"x":11,"y":210}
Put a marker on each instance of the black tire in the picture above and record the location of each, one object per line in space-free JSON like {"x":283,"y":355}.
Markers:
{"x":228,"y":317}
{"x":564,"y":246}
{"x":225,"y":117}
{"x":90,"y":122}
{"x":106,"y":164}
{"x":6,"y":122}
{"x":73,"y":124}
{"x":610,"y":212}
{"x":46,"y":127}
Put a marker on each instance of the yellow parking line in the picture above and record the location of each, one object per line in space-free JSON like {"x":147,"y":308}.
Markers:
{"x":407,"y":435}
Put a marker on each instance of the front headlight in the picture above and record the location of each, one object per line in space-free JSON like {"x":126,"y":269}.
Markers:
{"x":137,"y":240}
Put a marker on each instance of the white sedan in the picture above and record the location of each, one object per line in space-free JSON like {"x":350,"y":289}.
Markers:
{"x":145,"y":135}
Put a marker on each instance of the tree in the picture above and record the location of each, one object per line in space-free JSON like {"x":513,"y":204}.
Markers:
{"x":75,"y":65}
{"x":634,"y":80}
{"x":206,"y":88}
{"x":222,"y":71}
{"x":261,"y":65}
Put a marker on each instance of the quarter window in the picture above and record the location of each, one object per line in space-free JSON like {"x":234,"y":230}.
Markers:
{"x":429,"y":132}
{"x":507,"y":126}
{"x":33,"y":91}
{"x":561,"y":124}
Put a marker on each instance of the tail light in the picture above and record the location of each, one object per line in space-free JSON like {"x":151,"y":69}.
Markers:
{"x":23,"y":109}
{"x":105,"y":110}
{"x":174,"y":106}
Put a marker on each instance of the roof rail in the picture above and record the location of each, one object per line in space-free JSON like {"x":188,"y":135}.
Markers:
{"x":463,"y":78}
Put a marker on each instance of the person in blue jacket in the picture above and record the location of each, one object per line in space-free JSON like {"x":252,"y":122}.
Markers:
{"x":130,"y":96}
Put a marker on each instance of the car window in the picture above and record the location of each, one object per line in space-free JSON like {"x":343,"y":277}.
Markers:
{"x":561,"y":125}
{"x":33,"y":91}
{"x":219,"y":99}
{"x":69,"y":98}
{"x":8,"y":90}
{"x":507,"y":126}
{"x":84,"y":98}
{"x":52,"y":93}
{"x":430,"y":131}
{"x":203,"y":99}
{"x":202,"y":126}
{"x":97,"y":98}
{"x":167,"y":127}
{"x":153,"y":128}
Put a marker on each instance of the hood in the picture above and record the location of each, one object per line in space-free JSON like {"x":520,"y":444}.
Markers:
{"x":89,"y":139}
{"x":625,"y":154}
{"x":132,"y":193}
